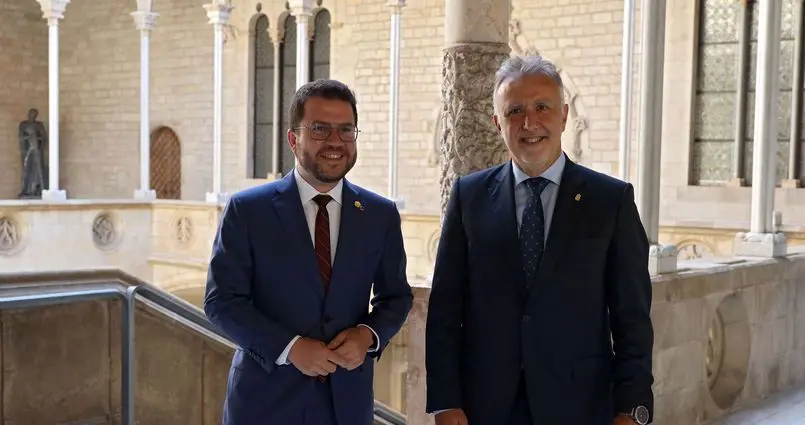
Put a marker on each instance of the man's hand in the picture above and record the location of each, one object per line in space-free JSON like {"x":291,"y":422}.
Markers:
{"x":623,"y":420}
{"x":351,"y":345}
{"x":451,"y":417}
{"x":313,"y":358}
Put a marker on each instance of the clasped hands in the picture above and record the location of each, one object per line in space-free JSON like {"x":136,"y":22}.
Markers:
{"x":348,"y":349}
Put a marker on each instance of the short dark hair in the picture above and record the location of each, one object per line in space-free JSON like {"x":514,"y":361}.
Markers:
{"x":328,"y":89}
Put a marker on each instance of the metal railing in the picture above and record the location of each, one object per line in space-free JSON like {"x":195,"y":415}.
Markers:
{"x":37,"y":289}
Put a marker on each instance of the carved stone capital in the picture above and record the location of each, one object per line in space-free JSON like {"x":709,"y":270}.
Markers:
{"x":53,"y":10}
{"x":750,"y":244}
{"x":396,"y":5}
{"x":470,"y":140}
{"x":301,"y":9}
{"x":218,"y":12}
{"x":662,"y":259}
{"x":144,"y":21}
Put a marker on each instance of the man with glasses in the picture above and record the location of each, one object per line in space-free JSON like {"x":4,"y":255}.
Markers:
{"x":294,"y":264}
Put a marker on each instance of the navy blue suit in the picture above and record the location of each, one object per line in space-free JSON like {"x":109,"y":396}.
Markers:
{"x":264,"y":288}
{"x":498,"y":349}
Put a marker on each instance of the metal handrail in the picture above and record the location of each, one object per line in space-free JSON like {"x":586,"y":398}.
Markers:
{"x":61,"y":296}
{"x":110,"y":283}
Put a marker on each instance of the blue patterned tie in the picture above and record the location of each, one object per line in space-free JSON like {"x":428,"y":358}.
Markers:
{"x":532,"y":229}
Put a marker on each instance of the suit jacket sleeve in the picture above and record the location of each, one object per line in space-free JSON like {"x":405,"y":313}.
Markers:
{"x":228,"y":299}
{"x":392,"y":298}
{"x":629,"y":299}
{"x":443,"y":332}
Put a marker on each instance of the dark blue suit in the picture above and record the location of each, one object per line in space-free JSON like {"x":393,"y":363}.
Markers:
{"x":499,"y":350}
{"x":264,"y":288}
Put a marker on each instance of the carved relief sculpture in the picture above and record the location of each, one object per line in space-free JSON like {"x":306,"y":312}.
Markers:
{"x":33,"y":142}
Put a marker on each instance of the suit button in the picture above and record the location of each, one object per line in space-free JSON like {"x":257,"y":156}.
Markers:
{"x":526,"y":319}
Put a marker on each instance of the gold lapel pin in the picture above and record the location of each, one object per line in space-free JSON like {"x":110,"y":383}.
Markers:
{"x":358,"y":205}
{"x":578,"y":197}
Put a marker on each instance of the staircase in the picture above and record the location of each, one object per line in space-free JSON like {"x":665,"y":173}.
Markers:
{"x":102,"y":347}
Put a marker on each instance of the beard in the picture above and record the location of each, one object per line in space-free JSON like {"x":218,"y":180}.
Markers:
{"x":324,"y":172}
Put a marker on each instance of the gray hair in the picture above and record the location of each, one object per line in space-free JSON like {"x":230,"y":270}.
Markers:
{"x":518,"y":66}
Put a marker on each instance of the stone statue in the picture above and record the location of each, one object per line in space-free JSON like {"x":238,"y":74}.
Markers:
{"x":33,"y":142}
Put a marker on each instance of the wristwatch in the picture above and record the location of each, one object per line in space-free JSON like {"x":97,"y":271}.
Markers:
{"x":639,"y":414}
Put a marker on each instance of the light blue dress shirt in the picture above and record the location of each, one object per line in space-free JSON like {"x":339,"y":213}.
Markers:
{"x":548,"y":197}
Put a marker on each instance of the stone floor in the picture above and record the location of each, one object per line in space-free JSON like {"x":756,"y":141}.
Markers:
{"x":786,"y":408}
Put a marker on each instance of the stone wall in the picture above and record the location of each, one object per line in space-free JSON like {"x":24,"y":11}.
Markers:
{"x":23,"y":83}
{"x":725,"y":337}
{"x":61,"y":364}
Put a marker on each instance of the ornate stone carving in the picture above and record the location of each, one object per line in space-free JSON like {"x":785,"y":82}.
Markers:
{"x":577,"y":120}
{"x":470,"y":141}
{"x":103,"y":230}
{"x":184,"y":230}
{"x":10,"y":235}
{"x":433,"y":245}
{"x":693,"y":249}
{"x":714,"y":354}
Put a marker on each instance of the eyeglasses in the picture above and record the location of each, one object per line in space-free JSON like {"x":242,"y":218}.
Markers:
{"x":322,"y":131}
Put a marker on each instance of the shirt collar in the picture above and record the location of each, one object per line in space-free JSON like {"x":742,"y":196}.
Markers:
{"x":308,"y":192}
{"x":552,"y":174}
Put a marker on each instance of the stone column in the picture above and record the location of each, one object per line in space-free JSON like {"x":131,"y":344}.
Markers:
{"x":218,"y":13}
{"x":476,"y":36}
{"x":394,"y":99}
{"x":145,"y":20}
{"x":278,"y":140}
{"x":662,"y":258}
{"x":53,"y":12}
{"x":302,"y":11}
{"x":762,"y":240}
{"x":476,"y":44}
{"x":627,"y":79}
{"x":796,"y":97}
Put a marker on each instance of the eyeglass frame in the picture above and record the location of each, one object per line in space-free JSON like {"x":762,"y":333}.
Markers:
{"x":330,"y":132}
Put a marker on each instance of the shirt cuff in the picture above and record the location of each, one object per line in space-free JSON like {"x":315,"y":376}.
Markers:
{"x":376,"y":345}
{"x":283,"y":358}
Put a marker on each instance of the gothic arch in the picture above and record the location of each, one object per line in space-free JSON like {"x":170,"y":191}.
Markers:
{"x":166,"y":163}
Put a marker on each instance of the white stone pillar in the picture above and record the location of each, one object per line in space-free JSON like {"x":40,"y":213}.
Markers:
{"x":394,"y":100}
{"x":218,"y":13}
{"x":627,"y":51}
{"x":302,"y":11}
{"x":276,"y":167}
{"x":762,"y":240}
{"x":662,"y":258}
{"x":145,"y":20}
{"x":53,"y":12}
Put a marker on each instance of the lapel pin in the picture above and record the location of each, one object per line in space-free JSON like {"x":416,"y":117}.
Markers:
{"x":578,"y":197}
{"x":358,"y":205}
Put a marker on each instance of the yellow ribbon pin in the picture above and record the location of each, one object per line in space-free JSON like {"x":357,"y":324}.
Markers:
{"x":358,"y":205}
{"x":578,"y":197}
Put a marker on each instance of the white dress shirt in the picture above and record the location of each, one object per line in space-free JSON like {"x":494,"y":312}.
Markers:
{"x":306,"y":194}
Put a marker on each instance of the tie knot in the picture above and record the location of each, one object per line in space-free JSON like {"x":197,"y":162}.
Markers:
{"x":537,"y":184}
{"x":322,"y":200}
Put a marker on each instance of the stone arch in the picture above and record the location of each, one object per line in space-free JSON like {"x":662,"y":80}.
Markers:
{"x":166,"y":163}
{"x":692,"y":249}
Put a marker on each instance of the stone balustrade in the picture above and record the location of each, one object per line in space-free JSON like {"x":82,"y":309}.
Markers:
{"x":725,"y":328}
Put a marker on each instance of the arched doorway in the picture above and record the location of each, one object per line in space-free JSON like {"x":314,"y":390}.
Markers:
{"x":166,"y":163}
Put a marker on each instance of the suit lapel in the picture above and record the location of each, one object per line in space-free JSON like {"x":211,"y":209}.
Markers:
{"x":503,"y":213}
{"x":348,"y":233}
{"x":288,"y":205}
{"x":565,"y":222}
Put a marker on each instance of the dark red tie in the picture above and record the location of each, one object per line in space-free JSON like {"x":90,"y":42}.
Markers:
{"x":322,"y":237}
